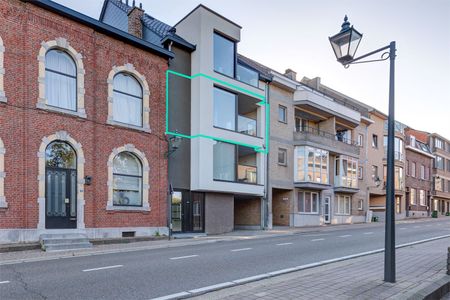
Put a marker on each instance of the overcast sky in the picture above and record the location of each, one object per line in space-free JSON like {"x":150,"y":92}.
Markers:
{"x":294,"y":34}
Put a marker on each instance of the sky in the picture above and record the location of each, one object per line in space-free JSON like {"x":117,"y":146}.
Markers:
{"x":294,"y":34}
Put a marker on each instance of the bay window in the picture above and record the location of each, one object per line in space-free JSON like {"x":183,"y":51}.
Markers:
{"x":346,"y":171}
{"x":308,"y":202}
{"x":311,"y":165}
{"x":398,"y":177}
{"x":398,"y":148}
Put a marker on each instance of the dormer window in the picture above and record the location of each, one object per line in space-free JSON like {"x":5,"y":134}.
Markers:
{"x":224,"y":55}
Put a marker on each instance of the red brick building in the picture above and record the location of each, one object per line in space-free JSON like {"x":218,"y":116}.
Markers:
{"x":419,"y":163}
{"x":82,"y":143}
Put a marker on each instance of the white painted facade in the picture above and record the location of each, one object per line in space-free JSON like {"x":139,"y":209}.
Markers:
{"x":198,"y":28}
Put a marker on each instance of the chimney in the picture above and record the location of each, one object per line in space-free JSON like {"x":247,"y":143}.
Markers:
{"x":291,"y":74}
{"x":135,"y":20}
{"x":315,"y":83}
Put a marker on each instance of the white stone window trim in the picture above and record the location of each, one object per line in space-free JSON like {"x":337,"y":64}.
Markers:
{"x":62,"y":44}
{"x":145,"y":179}
{"x":2,"y":72}
{"x":61,"y":136}
{"x":129,"y":69}
{"x":3,"y":203}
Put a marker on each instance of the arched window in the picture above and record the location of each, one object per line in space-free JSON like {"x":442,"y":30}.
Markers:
{"x":60,"y":155}
{"x":60,"y":80}
{"x":127,"y":100}
{"x":127,"y":180}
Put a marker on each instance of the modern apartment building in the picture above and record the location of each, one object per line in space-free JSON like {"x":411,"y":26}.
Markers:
{"x":419,"y":162}
{"x":440,"y":148}
{"x":216,"y":106}
{"x":81,"y":137}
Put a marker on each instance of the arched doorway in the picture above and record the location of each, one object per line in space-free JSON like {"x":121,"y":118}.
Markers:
{"x":61,"y":186}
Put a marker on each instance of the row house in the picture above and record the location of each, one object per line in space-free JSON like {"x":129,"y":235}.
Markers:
{"x":440,"y":148}
{"x":419,"y":163}
{"x":315,"y":165}
{"x":216,"y":121}
{"x":82,"y":126}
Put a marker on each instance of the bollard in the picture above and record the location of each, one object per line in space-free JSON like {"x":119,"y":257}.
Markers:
{"x":448,"y":261}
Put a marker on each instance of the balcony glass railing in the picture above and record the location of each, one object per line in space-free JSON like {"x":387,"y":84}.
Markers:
{"x":247,"y":174}
{"x":328,"y":135}
{"x":247,"y":125}
{"x":247,"y":75}
{"x":397,"y":155}
{"x":345,"y":181}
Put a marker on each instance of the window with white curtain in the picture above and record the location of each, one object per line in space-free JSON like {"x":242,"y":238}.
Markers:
{"x":127,"y":180}
{"x":60,"y":80}
{"x":127,"y":100}
{"x":344,"y":204}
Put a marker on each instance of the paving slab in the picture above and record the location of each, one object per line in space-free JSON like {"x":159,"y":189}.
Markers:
{"x":419,"y":268}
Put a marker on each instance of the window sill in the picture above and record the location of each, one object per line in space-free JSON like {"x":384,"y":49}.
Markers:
{"x":128,"y":126}
{"x":309,"y":214}
{"x":282,"y":165}
{"x":128,"y":208}
{"x":80,"y":113}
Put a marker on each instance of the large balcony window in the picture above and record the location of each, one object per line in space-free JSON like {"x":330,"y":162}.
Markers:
{"x":234,"y":163}
{"x":247,"y":75}
{"x":234,"y":114}
{"x":399,"y":181}
{"x":311,"y":165}
{"x":346,"y":172}
{"x":398,"y":148}
{"x":224,"y":55}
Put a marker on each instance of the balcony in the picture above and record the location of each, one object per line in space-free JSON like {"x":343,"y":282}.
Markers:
{"x":309,"y":136}
{"x":399,"y":156}
{"x":346,"y":184}
{"x":247,"y":125}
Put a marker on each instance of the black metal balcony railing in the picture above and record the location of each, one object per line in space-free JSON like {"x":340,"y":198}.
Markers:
{"x":328,"y":135}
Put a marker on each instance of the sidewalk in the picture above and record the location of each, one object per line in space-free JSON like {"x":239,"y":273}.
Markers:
{"x":420,"y":270}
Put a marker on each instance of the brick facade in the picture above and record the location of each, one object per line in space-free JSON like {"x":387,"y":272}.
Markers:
{"x":414,"y":182}
{"x":23,"y":27}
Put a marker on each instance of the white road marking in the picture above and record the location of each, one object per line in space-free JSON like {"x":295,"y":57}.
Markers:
{"x":242,"y":249}
{"x":284,"y":244}
{"x":368,"y":232}
{"x":316,"y":240}
{"x":103,"y":268}
{"x":203,"y":290}
{"x":403,"y":228}
{"x":172,"y":296}
{"x":182,"y":257}
{"x":6,"y":281}
{"x":345,"y":236}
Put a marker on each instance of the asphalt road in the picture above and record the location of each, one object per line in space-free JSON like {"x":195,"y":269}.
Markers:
{"x":153,"y":273}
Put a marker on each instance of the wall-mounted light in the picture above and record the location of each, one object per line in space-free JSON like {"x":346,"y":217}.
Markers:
{"x":87,"y":180}
{"x":174,"y":144}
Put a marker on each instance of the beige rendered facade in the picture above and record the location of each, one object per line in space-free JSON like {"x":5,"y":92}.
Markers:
{"x":317,"y":165}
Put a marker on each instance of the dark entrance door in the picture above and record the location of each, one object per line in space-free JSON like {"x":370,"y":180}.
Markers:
{"x":61,"y":186}
{"x":188,"y":211}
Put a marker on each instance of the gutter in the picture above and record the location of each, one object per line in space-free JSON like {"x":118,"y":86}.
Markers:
{"x":100,"y":27}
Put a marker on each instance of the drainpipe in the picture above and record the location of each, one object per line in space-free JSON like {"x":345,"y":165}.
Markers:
{"x":267,"y":192}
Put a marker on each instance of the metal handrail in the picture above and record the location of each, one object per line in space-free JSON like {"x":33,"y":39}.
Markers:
{"x":325,"y":134}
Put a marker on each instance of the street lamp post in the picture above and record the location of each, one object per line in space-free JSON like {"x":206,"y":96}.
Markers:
{"x":345,"y":43}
